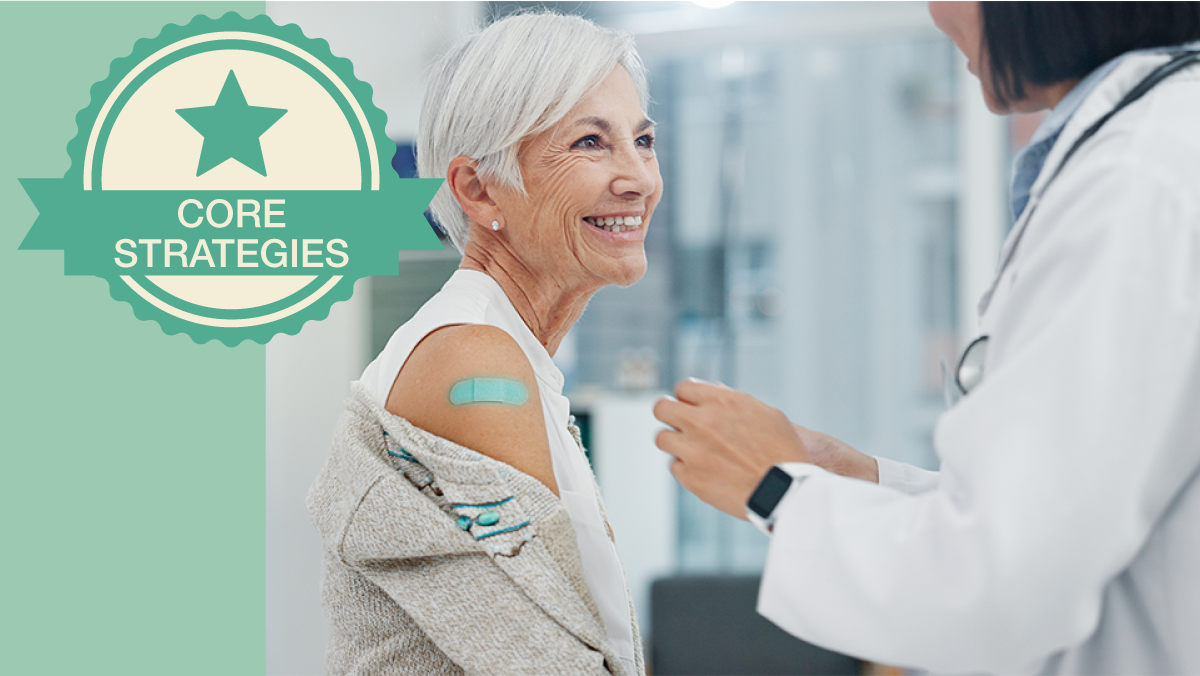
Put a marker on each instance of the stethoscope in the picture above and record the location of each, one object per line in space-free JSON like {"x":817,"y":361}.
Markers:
{"x":970,"y":369}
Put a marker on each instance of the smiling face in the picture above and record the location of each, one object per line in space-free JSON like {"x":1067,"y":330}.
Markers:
{"x":591,"y":185}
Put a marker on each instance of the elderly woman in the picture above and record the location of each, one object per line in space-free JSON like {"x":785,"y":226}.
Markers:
{"x":462,"y":527}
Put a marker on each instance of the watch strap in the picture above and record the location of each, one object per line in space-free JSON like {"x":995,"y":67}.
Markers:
{"x":775,"y":484}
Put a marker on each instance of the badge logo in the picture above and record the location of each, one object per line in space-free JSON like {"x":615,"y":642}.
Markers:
{"x":231,"y":180}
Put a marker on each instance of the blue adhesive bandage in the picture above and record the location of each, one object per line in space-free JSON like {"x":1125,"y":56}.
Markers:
{"x":489,"y":391}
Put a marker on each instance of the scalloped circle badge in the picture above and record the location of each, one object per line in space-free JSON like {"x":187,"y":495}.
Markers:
{"x":231,"y":179}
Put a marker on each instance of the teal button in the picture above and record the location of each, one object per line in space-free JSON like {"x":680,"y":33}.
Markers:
{"x":488,"y":519}
{"x":464,"y":522}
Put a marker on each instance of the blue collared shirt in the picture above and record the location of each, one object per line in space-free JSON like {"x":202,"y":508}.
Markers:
{"x":1029,"y":161}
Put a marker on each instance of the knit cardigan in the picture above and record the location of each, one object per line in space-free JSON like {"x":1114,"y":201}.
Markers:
{"x":416,"y":582}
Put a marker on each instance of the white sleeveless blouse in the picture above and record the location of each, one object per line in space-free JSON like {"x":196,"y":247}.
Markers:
{"x":471,"y":297}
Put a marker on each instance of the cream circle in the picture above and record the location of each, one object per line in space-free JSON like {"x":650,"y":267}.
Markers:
{"x":312,"y":147}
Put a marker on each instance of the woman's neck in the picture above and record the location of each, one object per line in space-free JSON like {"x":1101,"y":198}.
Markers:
{"x":547,"y":305}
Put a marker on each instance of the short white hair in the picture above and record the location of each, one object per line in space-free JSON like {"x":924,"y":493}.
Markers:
{"x":512,"y":80}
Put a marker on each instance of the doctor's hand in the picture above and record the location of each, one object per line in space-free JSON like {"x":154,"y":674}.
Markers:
{"x":724,"y":442}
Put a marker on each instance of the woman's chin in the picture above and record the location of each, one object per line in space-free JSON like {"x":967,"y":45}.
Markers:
{"x":630,"y":271}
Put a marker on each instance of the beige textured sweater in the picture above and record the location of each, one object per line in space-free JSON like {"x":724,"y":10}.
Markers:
{"x":409,"y":591}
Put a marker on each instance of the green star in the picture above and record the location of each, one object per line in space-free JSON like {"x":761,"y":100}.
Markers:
{"x":231,"y":128}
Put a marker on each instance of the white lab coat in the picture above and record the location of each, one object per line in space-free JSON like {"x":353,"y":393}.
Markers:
{"x":1062,"y":534}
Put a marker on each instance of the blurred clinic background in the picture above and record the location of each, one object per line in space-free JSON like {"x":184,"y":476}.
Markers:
{"x":835,"y":202}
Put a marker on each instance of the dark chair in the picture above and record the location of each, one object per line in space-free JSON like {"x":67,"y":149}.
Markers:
{"x":706,"y":626}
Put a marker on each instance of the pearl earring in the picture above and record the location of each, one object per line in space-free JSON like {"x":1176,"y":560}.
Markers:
{"x":496,"y":225}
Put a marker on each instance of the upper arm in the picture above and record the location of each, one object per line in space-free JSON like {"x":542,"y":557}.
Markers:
{"x":513,"y":432}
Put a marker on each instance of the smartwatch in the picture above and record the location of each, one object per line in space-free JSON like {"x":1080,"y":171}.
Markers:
{"x":760,"y":508}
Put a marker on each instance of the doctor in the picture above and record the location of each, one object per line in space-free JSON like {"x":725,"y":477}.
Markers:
{"x":1062,"y":534}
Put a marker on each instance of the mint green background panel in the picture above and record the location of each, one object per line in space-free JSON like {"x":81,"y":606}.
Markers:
{"x":132,"y":466}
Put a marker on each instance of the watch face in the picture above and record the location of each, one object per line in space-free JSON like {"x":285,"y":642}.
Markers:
{"x":769,"y":492}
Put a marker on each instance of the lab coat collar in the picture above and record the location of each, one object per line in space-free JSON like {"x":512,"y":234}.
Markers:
{"x":1031,"y":159}
{"x":1103,"y":97}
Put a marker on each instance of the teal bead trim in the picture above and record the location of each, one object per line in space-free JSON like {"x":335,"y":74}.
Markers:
{"x":484,"y":506}
{"x":464,"y":522}
{"x":403,"y":454}
{"x":489,"y":391}
{"x":502,"y":530}
{"x":488,"y":519}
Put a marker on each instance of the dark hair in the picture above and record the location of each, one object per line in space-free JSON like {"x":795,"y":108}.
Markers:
{"x":1044,"y":43}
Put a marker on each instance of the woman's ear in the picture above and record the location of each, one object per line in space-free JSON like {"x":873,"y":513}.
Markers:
{"x":471,"y":190}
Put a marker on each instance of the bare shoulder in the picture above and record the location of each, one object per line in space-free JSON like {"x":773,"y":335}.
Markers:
{"x":473,"y":385}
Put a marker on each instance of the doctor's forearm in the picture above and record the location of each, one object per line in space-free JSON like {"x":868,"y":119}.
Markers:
{"x":837,"y":456}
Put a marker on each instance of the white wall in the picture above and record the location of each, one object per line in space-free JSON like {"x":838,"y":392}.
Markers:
{"x":640,"y":495}
{"x":392,"y":45}
{"x":308,"y":375}
{"x":982,"y":192}
{"x":308,"y":378}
